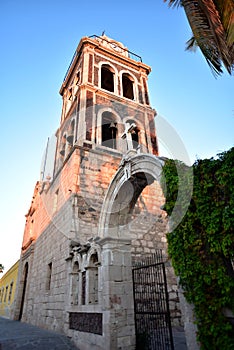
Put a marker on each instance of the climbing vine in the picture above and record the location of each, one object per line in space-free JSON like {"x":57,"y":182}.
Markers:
{"x":201,"y":247}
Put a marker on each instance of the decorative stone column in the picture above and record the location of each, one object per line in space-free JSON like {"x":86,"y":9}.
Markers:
{"x":117,"y":293}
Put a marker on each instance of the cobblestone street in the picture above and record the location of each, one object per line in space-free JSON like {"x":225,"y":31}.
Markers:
{"x":15,"y":335}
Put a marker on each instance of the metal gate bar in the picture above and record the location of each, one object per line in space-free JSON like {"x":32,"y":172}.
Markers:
{"x":152,"y":315}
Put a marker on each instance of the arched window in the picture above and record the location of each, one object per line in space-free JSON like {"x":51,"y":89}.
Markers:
{"x":70,"y":134}
{"x":63,"y":146}
{"x":77,"y":78}
{"x":2,"y":294}
{"x":69,"y":94}
{"x":10,"y":291}
{"x":6,"y":291}
{"x":75,"y":284}
{"x":107,"y":78}
{"x":127,"y":86}
{"x":83,"y":287}
{"x":93,"y":279}
{"x":48,"y":276}
{"x":109,"y":130}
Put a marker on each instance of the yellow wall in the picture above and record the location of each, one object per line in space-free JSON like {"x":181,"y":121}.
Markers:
{"x":7,"y":290}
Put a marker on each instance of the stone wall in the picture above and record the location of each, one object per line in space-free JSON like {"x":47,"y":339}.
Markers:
{"x":62,"y":273}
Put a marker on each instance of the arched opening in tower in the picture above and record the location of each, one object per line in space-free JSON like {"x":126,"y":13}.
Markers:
{"x":107,"y":78}
{"x":127,"y":84}
{"x":109,"y":130}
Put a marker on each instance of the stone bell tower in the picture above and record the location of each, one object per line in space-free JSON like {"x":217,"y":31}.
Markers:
{"x":105,"y":101}
{"x":74,"y":278}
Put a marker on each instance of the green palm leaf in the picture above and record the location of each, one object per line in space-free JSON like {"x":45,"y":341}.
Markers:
{"x":212,"y":24}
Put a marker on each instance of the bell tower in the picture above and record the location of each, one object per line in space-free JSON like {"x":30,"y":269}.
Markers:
{"x":101,"y":208}
{"x":105,"y":101}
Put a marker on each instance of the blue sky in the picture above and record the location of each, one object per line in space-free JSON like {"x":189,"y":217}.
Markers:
{"x":38,"y":39}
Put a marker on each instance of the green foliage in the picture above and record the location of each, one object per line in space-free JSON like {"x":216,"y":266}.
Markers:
{"x":202,"y":245}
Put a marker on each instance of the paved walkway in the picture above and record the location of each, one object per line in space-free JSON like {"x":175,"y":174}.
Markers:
{"x":178,"y":338}
{"x":15,"y":335}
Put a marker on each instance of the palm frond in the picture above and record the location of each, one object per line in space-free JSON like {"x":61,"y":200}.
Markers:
{"x":191,"y":44}
{"x":212,"y":24}
{"x":203,"y":35}
{"x":218,"y":32}
{"x":174,"y":3}
{"x":226,"y":13}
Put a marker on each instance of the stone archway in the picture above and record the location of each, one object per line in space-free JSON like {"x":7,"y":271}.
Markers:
{"x":135,"y":172}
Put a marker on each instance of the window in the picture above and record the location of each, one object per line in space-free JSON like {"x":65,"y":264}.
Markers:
{"x":48,"y":277}
{"x":77,"y":78}
{"x":2,"y":294}
{"x":75,"y":284}
{"x":55,"y":204}
{"x":70,"y":135}
{"x":107,"y":78}
{"x":69,"y":95}
{"x":5,"y":298}
{"x":127,"y":85}
{"x":83,"y":290}
{"x":93,"y":279}
{"x":63,"y":146}
{"x":10,"y":291}
{"x":109,"y":130}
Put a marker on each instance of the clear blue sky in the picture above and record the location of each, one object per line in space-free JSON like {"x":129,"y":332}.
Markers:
{"x":38,"y":39}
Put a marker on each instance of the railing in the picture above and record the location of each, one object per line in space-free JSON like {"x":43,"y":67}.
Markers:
{"x":130,"y":54}
{"x":72,"y":60}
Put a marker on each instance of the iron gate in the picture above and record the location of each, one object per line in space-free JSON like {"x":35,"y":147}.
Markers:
{"x":152,"y":315}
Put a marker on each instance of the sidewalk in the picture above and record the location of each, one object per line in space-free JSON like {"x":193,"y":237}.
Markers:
{"x":178,"y":338}
{"x":15,"y":335}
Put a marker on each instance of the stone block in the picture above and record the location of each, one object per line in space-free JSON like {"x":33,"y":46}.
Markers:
{"x":125,"y":343}
{"x":116,"y":273}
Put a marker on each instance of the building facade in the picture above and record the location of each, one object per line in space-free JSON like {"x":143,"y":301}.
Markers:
{"x":101,"y":207}
{"x":7,"y":291}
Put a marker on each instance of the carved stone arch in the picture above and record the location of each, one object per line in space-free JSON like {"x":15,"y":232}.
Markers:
{"x":134,"y":174}
{"x":75,"y":266}
{"x":78,"y":259}
{"x":95,"y":249}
